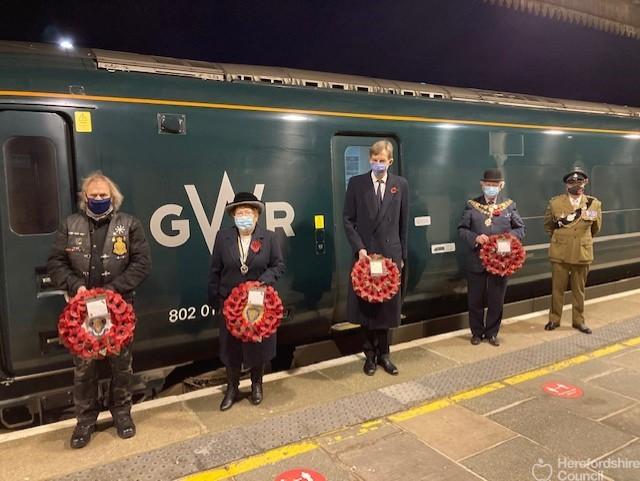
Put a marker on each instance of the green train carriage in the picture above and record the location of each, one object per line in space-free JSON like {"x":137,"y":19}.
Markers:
{"x":180,"y":137}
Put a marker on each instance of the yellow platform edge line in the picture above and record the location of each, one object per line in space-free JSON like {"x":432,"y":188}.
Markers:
{"x":291,"y":450}
{"x":632,"y":342}
{"x":253,"y":462}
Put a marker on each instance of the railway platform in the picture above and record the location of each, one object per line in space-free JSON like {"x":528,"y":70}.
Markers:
{"x":543,"y":406}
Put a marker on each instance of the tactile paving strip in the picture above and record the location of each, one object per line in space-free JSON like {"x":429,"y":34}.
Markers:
{"x":209,"y":451}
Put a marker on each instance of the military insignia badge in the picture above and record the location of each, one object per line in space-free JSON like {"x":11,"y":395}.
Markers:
{"x":119,"y":230}
{"x":119,"y":246}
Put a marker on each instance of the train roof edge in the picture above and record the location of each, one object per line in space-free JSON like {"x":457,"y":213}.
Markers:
{"x":224,"y":72}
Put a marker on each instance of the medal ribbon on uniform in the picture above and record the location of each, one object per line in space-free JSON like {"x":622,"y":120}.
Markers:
{"x":575,"y":216}
{"x":489,"y":210}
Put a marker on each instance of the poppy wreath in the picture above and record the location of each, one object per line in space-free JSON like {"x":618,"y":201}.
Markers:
{"x":502,"y":264}
{"x":81,"y":342}
{"x":375,"y":289}
{"x":234,"y":311}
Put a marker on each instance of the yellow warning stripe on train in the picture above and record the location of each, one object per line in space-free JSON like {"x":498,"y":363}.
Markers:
{"x":285,"y":110}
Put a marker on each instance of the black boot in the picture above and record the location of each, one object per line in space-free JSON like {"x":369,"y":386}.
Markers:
{"x":82,"y":435}
{"x":233,"y":381}
{"x":124,"y":426}
{"x":256,"y":384}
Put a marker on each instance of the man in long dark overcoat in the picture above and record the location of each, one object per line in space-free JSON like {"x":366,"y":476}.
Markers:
{"x":376,"y":222}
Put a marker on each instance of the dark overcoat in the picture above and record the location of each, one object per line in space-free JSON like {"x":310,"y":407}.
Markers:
{"x":224,"y":274}
{"x":379,"y":231}
{"x":472,"y":224}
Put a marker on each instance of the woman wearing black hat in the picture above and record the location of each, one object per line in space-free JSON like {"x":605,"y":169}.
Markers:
{"x":245,"y":252}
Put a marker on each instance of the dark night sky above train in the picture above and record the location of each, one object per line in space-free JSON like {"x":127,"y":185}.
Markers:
{"x":466,"y":43}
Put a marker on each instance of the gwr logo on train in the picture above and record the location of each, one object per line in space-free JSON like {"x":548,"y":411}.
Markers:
{"x":277,"y":215}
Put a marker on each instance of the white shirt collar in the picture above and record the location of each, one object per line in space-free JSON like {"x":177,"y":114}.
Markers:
{"x":375,"y":179}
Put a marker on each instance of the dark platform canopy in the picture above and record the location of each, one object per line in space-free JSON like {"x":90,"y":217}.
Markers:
{"x":621,"y":17}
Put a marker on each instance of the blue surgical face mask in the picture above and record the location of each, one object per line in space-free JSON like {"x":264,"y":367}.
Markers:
{"x":379,"y":168}
{"x":99,"y":206}
{"x":244,"y":222}
{"x":490,"y":190}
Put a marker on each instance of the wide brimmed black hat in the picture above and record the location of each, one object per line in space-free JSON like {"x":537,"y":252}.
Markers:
{"x":575,"y":174}
{"x":492,"y":175}
{"x":244,"y":198}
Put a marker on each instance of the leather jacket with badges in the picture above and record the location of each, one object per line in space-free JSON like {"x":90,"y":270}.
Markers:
{"x":572,"y":229}
{"x":125,"y":256}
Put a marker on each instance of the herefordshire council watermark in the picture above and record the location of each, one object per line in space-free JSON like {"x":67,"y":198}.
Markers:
{"x":566,"y":469}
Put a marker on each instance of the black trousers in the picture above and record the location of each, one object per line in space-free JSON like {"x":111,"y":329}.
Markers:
{"x":376,"y":342}
{"x":485,"y":289}
{"x":85,"y":386}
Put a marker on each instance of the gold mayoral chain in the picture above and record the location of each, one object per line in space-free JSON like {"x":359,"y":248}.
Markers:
{"x":489,"y":209}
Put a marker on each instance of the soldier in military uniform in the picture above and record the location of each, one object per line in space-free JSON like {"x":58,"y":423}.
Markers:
{"x":100,"y":247}
{"x":483,"y":216}
{"x":572,"y":219}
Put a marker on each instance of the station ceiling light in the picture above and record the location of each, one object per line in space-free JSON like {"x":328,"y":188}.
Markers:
{"x":65,"y":44}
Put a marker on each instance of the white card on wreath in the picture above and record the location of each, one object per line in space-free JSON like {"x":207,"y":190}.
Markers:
{"x":504,"y":246}
{"x":376,"y":267}
{"x":256,"y":297}
{"x":97,"y":307}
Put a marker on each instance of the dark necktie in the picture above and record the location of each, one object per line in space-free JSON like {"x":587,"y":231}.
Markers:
{"x":379,"y":193}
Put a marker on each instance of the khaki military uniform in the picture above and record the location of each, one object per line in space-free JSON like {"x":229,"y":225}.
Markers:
{"x":571,"y":250}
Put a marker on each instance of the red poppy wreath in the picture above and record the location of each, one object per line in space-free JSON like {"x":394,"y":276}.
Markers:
{"x":96,"y":338}
{"x":502,"y":263}
{"x":248,"y":322}
{"x":375,"y":288}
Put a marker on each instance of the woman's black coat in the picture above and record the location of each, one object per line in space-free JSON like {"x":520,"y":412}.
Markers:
{"x":266,"y":266}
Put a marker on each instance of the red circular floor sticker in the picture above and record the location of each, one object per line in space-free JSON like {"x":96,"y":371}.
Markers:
{"x":300,"y":475}
{"x":563,"y":390}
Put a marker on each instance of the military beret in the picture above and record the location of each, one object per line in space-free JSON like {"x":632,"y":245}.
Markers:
{"x":575,"y":174}
{"x":492,"y":175}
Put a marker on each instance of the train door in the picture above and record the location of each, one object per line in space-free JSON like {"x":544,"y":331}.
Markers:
{"x":349,"y":157}
{"x":36,"y":191}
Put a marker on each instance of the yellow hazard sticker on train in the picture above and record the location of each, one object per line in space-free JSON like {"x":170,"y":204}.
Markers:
{"x":319,"y":221}
{"x":83,"y":121}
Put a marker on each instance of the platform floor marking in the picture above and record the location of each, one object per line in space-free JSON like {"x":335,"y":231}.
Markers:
{"x":254,"y":462}
{"x":275,"y":455}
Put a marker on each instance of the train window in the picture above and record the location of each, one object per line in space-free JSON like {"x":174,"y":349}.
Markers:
{"x":32,"y":184}
{"x":356,"y":161}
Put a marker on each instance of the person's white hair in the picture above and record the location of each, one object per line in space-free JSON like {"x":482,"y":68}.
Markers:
{"x":116,"y":195}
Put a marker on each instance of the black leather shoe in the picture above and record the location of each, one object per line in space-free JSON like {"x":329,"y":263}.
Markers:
{"x":82,"y":435}
{"x":387,"y":365}
{"x":233,"y":381}
{"x":583,"y":328}
{"x":256,"y":393}
{"x":493,"y":340}
{"x":230,"y":397}
{"x":550,"y":326}
{"x":125,"y":427}
{"x":369,"y":366}
{"x":256,"y":384}
{"x":475,"y":340}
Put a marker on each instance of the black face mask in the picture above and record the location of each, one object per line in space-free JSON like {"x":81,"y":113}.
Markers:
{"x":576,"y":189}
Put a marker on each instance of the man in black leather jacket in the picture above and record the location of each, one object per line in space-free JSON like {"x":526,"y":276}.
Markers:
{"x":100,"y":247}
